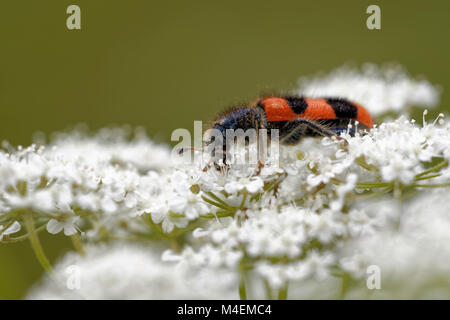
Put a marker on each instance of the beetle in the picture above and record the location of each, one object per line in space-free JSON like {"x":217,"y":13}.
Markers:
{"x":295,"y":117}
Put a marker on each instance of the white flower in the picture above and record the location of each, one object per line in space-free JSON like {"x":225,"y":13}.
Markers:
{"x":69,"y":224}
{"x":342,"y":191}
{"x":186,"y":202}
{"x":15,"y":227}
{"x":252,"y":185}
{"x":160,"y":213}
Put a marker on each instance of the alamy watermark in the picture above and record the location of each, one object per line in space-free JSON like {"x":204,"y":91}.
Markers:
{"x":73,"y":281}
{"x":73,"y":21}
{"x":374,"y":277}
{"x":231,"y":146}
{"x":373,"y":22}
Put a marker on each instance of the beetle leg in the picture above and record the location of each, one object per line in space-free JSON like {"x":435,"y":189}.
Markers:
{"x":294,"y":131}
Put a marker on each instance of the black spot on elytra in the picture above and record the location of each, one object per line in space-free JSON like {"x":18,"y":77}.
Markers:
{"x":343,"y":108}
{"x":297,"y":104}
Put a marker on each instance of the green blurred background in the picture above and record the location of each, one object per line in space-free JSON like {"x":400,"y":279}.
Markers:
{"x":162,"y":64}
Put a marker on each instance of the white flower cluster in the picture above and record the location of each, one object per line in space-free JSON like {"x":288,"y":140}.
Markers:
{"x":78,"y":176}
{"x":378,"y":89}
{"x":131,"y":272}
{"x":411,"y":251}
{"x":308,"y":225}
{"x":327,"y":211}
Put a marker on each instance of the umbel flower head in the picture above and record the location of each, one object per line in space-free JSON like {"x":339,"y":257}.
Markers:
{"x":131,"y":272}
{"x":314,"y":223}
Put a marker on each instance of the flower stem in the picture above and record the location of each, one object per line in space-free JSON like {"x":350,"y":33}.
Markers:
{"x":441,"y":185}
{"x":344,"y":286}
{"x":216,"y":204}
{"x":373,"y":194}
{"x":217,"y":199}
{"x":282,"y":294}
{"x":435,"y":168}
{"x":269,"y":295}
{"x":77,"y":244}
{"x":428,"y":177}
{"x":35,"y":243}
{"x":362,"y":162}
{"x":174,"y":245}
{"x":242,"y":288}
{"x":371,"y":185}
{"x":244,"y":198}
